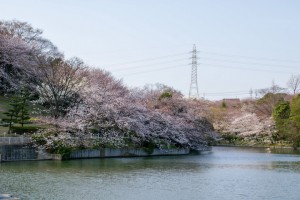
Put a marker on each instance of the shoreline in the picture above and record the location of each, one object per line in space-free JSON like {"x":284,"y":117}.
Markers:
{"x":13,"y":154}
{"x":259,"y":146}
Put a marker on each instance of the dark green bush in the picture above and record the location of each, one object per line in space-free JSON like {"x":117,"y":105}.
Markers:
{"x":24,"y":129}
{"x":8,"y":120}
{"x":60,"y":148}
{"x":165,"y":95}
{"x":223,"y":105}
{"x":148,"y":147}
{"x":231,"y":138}
{"x":281,"y":111}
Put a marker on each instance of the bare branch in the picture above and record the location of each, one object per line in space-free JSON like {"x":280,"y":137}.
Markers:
{"x":294,"y":83}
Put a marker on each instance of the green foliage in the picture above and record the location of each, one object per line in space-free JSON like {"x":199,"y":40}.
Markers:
{"x":23,"y":115}
{"x":60,"y":148}
{"x":13,"y":112}
{"x":231,"y":138}
{"x":165,"y":95}
{"x":271,"y":98}
{"x":4,"y":106}
{"x":266,"y":104}
{"x":287,"y":119}
{"x":223,"y":105}
{"x":148,"y":147}
{"x":281,"y":114}
{"x":39,"y":139}
{"x":18,"y":112}
{"x":295,"y":111}
{"x":295,"y":121}
{"x":24,"y":129}
{"x":8,"y":120}
{"x":281,"y":111}
{"x":5,"y":122}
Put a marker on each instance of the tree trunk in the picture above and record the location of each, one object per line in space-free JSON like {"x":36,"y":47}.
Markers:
{"x":10,"y":122}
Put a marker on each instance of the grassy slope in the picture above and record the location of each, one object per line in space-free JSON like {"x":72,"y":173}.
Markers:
{"x":4,"y":105}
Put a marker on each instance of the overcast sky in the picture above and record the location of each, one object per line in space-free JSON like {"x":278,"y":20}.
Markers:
{"x":242,"y":44}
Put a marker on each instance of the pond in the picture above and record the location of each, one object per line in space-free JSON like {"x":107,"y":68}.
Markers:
{"x":223,"y":173}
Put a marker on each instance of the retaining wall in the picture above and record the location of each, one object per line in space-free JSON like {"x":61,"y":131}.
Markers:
{"x":17,"y":152}
{"x":108,"y":153}
{"x":14,"y":140}
{"x":23,"y":152}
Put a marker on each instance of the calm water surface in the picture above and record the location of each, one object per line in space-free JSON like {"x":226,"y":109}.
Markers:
{"x":223,"y":173}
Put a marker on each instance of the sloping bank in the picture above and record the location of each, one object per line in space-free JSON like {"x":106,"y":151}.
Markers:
{"x":25,"y":152}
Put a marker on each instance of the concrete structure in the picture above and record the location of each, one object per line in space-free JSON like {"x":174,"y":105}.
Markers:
{"x":24,"y":152}
{"x":14,"y":140}
{"x":17,"y":152}
{"x":109,"y":153}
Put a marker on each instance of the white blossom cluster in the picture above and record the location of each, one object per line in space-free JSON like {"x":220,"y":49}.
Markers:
{"x":20,"y":44}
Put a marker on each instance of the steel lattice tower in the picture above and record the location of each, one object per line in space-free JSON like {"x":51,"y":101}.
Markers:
{"x":194,"y":93}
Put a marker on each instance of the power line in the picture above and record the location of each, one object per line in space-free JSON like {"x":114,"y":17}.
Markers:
{"x":207,"y":64}
{"x":238,"y":94}
{"x":233,"y":92}
{"x":248,"y":69}
{"x":249,"y":63}
{"x":248,"y":57}
{"x":213,"y":59}
{"x":153,"y":64}
{"x":159,"y":69}
{"x":146,"y":59}
{"x":229,"y":93}
{"x":150,"y":60}
{"x":211,"y":65}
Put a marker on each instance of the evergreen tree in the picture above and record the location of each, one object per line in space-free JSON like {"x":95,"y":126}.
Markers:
{"x":23,"y":114}
{"x":295,"y":121}
{"x":281,"y":115}
{"x":287,"y":119}
{"x":13,"y":112}
{"x":18,"y":113}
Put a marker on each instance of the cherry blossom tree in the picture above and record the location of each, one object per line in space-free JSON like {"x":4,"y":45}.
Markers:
{"x":60,"y":83}
{"x":20,"y":45}
{"x":86,"y":102}
{"x":31,"y":36}
{"x":15,"y":63}
{"x":122,"y":117}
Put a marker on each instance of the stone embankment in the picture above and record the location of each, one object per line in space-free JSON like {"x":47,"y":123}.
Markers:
{"x":109,"y":153}
{"x":22,"y":152}
{"x":26,"y":152}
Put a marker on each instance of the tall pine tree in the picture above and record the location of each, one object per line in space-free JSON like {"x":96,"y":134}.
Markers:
{"x":13,"y":112}
{"x":18,"y":113}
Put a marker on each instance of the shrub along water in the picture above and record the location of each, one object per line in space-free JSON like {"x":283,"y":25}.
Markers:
{"x":287,"y":118}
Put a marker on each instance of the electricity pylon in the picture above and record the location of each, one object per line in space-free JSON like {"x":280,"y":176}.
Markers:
{"x":194,"y":93}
